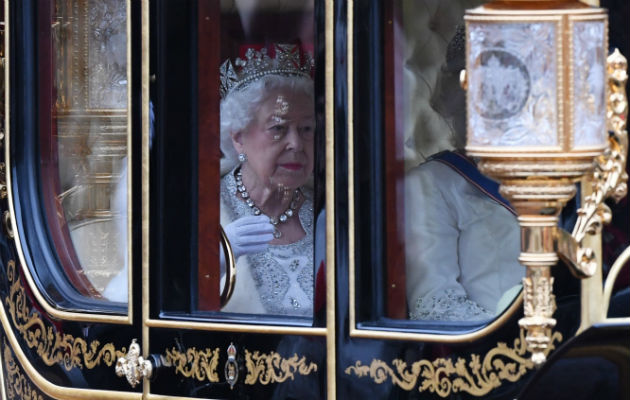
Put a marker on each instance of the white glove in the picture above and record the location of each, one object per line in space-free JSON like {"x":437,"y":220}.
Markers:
{"x":249,"y":235}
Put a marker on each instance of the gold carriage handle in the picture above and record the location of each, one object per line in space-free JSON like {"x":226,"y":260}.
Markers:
{"x":133,"y":366}
{"x":230,"y":274}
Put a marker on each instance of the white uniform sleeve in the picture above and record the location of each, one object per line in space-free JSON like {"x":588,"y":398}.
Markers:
{"x":432,"y":238}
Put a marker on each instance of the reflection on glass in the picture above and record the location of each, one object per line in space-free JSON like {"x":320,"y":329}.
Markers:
{"x":521,"y":114}
{"x":84,"y":154}
{"x":459,"y":240}
{"x":267,"y":141}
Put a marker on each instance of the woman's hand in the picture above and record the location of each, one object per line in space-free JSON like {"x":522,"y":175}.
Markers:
{"x":249,"y":235}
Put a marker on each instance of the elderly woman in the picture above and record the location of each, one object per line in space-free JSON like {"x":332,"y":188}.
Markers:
{"x":267,"y":130}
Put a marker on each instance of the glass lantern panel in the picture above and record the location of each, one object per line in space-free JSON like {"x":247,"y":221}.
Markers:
{"x":512,"y":71}
{"x":589,"y":83}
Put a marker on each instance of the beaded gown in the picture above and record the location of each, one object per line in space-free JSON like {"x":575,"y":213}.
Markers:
{"x":279,"y":280}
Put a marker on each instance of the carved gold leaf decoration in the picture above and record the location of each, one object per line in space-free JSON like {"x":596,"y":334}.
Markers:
{"x":17,"y":385}
{"x":272,"y":368}
{"x":198,"y":364}
{"x":52,"y":346}
{"x":445,"y":376}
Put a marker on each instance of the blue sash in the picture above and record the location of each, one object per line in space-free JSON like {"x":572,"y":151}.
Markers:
{"x":468,"y":170}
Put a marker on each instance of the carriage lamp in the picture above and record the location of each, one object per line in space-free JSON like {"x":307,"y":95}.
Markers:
{"x":546,"y":107}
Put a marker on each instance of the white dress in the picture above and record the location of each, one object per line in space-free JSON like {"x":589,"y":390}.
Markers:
{"x":279,"y":280}
{"x":461,"y":247}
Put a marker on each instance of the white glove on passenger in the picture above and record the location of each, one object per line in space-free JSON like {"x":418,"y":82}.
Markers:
{"x":249,"y":235}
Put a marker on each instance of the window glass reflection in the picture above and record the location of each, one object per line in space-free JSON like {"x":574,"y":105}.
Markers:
{"x":84,"y":149}
{"x":461,"y":240}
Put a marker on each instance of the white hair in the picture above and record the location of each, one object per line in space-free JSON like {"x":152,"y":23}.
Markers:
{"x":239,"y":108}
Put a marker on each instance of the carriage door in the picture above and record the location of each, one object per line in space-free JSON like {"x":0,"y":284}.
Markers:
{"x":258,"y":331}
{"x":117,"y":278}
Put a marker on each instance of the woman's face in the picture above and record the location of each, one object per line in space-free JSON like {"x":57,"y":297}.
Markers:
{"x":279,"y":140}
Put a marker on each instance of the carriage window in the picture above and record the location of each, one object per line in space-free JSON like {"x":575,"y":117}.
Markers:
{"x":84,"y":141}
{"x":452,"y":243}
{"x":256,"y":146}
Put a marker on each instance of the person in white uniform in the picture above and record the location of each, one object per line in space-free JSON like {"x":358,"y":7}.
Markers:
{"x":462,"y":242}
{"x":267,"y":133}
{"x":462,"y":238}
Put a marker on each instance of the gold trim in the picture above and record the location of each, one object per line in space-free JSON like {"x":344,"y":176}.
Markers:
{"x":351,"y":200}
{"x":504,"y":14}
{"x":198,"y":364}
{"x":51,"y":310}
{"x":444,"y":376}
{"x":272,"y":368}
{"x":612,"y":276}
{"x":389,"y":334}
{"x":50,"y":389}
{"x":144,"y":82}
{"x":262,"y":368}
{"x":331,"y":353}
{"x":230,"y":327}
{"x":609,"y":178}
{"x":52,"y":346}
{"x":19,"y":387}
{"x":129,"y":170}
{"x":151,"y":396}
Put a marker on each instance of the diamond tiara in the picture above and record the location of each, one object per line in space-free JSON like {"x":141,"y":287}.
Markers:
{"x":287,"y":62}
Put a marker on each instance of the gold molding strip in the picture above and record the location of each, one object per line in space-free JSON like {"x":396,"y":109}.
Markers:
{"x":444,"y":376}
{"x":144,"y":182}
{"x":329,"y":113}
{"x":198,"y":364}
{"x":18,"y":386}
{"x":232,"y":327}
{"x":151,"y":396}
{"x":52,"y":346}
{"x":272,"y":368}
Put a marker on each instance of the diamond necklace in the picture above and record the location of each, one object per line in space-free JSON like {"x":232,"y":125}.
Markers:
{"x":284,"y":217}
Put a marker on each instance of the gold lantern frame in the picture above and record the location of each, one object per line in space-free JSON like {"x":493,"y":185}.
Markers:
{"x":539,"y":180}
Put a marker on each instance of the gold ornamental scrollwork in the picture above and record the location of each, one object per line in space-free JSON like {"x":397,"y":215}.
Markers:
{"x":198,"y":364}
{"x":273,"y":368}
{"x":610,"y":177}
{"x":17,"y":385}
{"x":52,"y":346}
{"x":445,"y":376}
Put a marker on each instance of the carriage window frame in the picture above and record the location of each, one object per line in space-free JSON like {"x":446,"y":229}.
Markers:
{"x":367,"y":188}
{"x":28,"y":221}
{"x":182,"y":311}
